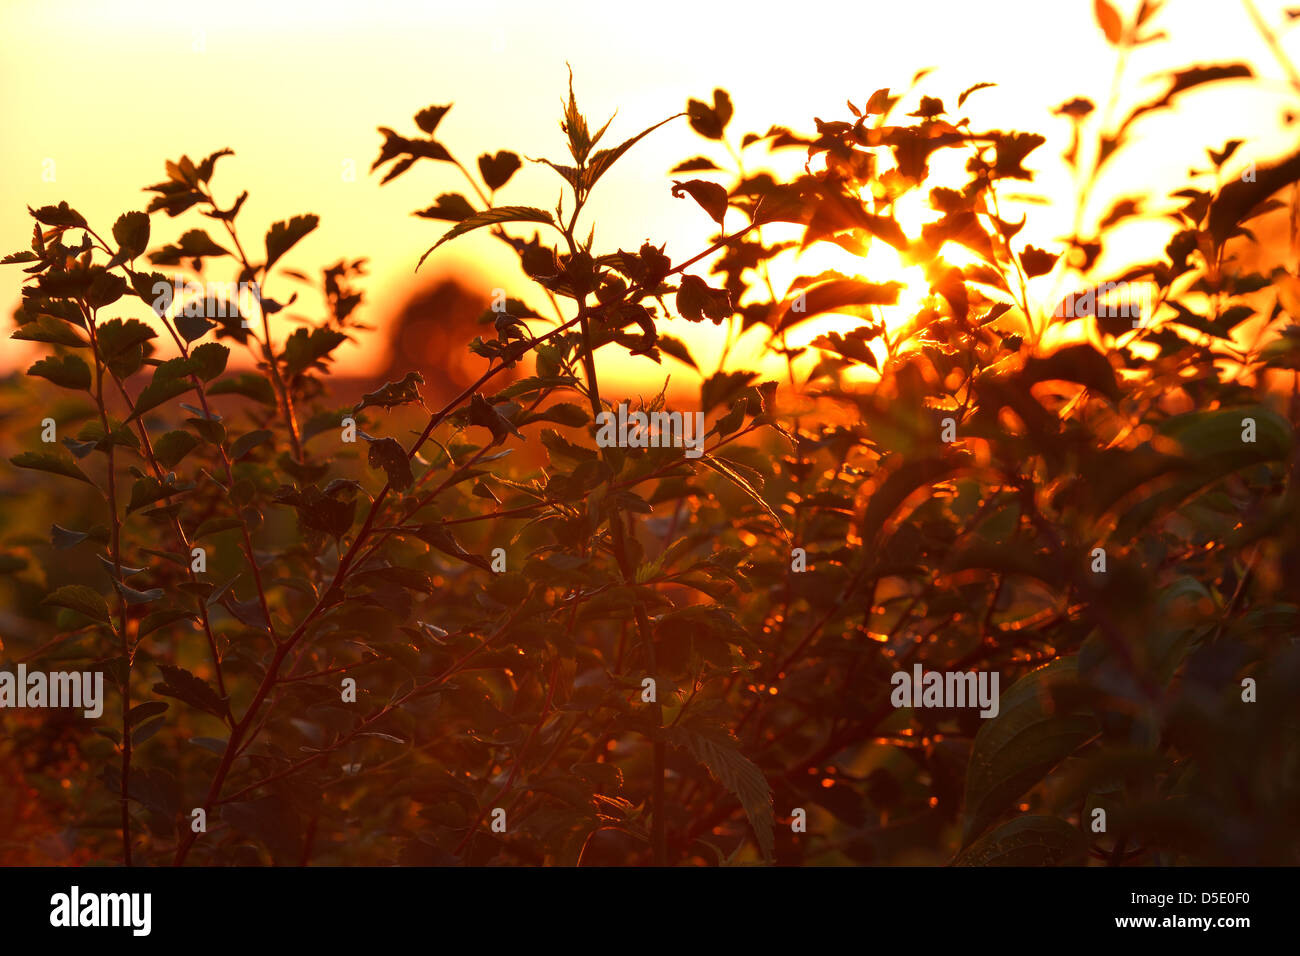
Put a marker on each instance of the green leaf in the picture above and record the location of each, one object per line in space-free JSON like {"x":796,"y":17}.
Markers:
{"x":439,"y":537}
{"x":173,"y":446}
{"x":192,"y":327}
{"x":215,"y":526}
{"x":408,"y":578}
{"x":485,"y":414}
{"x":145,"y":731}
{"x":305,"y":349}
{"x":142,"y":712}
{"x":248,"y":384}
{"x":405,"y":392}
{"x":899,"y":486}
{"x":736,"y":479}
{"x":209,"y":360}
{"x":133,"y":597}
{"x":145,"y":491}
{"x":1021,"y":745}
{"x":563,"y":413}
{"x":54,"y":464}
{"x":66,"y":371}
{"x":388,"y":454}
{"x":490,"y":217}
{"x":184,"y":686}
{"x":63,"y":538}
{"x":81,"y":599}
{"x":717,"y":750}
{"x":116,"y":337}
{"x":46,"y":328}
{"x":157,"y":392}
{"x":151,"y":622}
{"x":1027,"y":841}
{"x":246,"y":443}
{"x":282,"y":236}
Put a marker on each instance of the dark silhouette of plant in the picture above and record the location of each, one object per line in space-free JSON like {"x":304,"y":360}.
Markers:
{"x":430,"y":655}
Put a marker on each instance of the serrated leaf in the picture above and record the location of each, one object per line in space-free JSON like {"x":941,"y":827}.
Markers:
{"x":282,"y":236}
{"x":1021,"y":745}
{"x":173,"y":446}
{"x":67,"y":371}
{"x":736,"y":479}
{"x":184,"y":686}
{"x":603,"y":159}
{"x":53,"y":331}
{"x":209,"y":360}
{"x":81,"y":599}
{"x":131,"y":232}
{"x":742,"y":778}
{"x":157,"y":392}
{"x":1027,"y":841}
{"x":54,"y":464}
{"x":490,"y":217}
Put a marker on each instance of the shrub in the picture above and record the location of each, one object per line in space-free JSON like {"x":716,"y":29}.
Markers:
{"x":424,"y":654}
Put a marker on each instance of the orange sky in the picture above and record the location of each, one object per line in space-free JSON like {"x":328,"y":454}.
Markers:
{"x":109,"y":90}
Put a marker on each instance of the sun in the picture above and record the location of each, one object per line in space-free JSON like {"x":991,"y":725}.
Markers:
{"x":882,"y":263}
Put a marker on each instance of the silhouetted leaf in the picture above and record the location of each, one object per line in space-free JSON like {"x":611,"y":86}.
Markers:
{"x":184,"y":686}
{"x":1027,"y":841}
{"x":81,"y":599}
{"x":1018,"y":747}
{"x":67,"y":371}
{"x":451,"y":207}
{"x":711,"y":197}
{"x":851,"y":296}
{"x":388,"y":454}
{"x":132,"y":234}
{"x":498,"y":169}
{"x":283,"y":236}
{"x":717,"y":750}
{"x":490,"y":217}
{"x":54,"y":464}
{"x":1109,"y":21}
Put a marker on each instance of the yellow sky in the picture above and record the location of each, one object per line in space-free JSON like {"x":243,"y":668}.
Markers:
{"x":107,"y":91}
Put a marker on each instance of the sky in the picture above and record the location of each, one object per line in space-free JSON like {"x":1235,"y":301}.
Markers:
{"x":97,"y":94}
